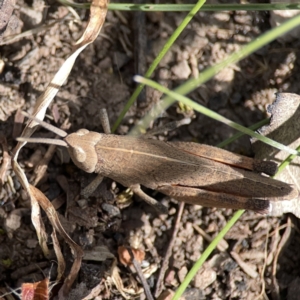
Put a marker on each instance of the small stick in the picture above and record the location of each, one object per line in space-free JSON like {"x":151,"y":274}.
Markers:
{"x":165,"y":264}
{"x":89,"y":189}
{"x":140,"y":274}
{"x":283,"y":243}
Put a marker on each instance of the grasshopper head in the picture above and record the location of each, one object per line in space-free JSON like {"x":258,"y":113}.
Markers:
{"x":81,"y":147}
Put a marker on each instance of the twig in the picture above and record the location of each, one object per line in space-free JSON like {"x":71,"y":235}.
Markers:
{"x":283,"y":243}
{"x":165,"y":263}
{"x":140,"y":274}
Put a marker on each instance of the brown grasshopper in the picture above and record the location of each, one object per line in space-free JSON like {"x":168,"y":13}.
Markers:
{"x":189,"y":172}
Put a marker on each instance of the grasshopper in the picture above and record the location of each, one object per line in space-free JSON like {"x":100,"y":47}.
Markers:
{"x":189,"y":172}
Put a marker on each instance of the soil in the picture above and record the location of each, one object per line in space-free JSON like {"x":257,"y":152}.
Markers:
{"x":103,"y":78}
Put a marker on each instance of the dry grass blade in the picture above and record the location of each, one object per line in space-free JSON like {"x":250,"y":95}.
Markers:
{"x":97,"y":17}
{"x":98,"y":12}
{"x":41,"y":167}
{"x":5,"y":159}
{"x":60,"y":259}
{"x":165,"y":263}
{"x":283,"y":243}
{"x":53,"y":218}
{"x":12,"y":38}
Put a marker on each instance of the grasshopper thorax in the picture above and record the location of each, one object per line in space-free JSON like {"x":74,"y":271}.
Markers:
{"x":81,"y":147}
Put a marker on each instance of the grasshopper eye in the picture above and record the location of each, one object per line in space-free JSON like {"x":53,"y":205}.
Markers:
{"x":79,"y":154}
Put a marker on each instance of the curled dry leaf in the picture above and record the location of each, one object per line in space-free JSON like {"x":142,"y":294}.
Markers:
{"x":47,"y":206}
{"x":98,"y":10}
{"x":284,"y":128}
{"x":61,"y":264}
{"x":97,"y":17}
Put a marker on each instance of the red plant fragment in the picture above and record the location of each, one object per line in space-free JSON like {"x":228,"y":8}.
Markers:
{"x":125,"y":257}
{"x":36,"y":291}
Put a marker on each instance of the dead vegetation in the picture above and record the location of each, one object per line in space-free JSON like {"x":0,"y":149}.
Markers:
{"x":86,"y":238}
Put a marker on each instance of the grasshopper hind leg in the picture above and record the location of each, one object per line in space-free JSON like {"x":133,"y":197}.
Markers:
{"x":213,"y":199}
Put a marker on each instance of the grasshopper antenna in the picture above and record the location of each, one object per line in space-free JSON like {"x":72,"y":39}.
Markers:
{"x":49,"y":127}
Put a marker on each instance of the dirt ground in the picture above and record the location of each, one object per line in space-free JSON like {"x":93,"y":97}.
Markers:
{"x":245,"y":266}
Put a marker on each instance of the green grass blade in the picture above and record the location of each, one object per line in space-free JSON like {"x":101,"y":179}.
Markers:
{"x":207,"y":74}
{"x":188,"y":7}
{"x":212,"y":246}
{"x":240,"y":134}
{"x":157,"y":60}
{"x":205,"y":111}
{"x":286,"y":162}
{"x":206,"y":254}
{"x":206,"y":7}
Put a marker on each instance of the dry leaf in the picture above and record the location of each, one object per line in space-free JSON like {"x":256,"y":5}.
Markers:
{"x":284,"y":128}
{"x":98,"y":10}
{"x":47,"y":206}
{"x":36,"y":291}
